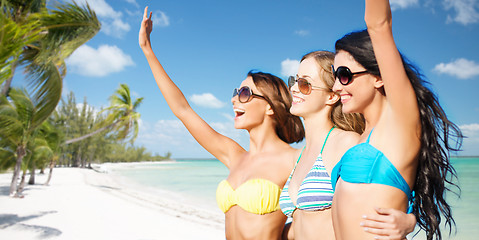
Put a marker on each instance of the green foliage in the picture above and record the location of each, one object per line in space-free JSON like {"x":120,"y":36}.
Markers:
{"x":74,"y":120}
{"x":122,"y":112}
{"x":39,"y":40}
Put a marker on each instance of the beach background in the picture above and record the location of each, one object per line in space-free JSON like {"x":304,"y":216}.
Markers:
{"x":160,"y":200}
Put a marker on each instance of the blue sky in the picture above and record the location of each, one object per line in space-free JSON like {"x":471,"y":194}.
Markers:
{"x":207,"y":47}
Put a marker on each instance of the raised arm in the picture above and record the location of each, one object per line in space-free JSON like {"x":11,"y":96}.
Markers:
{"x":399,"y":91}
{"x":220,"y":146}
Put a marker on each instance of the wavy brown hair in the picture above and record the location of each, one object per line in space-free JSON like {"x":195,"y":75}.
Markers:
{"x":289,"y":128}
{"x":346,"y":121}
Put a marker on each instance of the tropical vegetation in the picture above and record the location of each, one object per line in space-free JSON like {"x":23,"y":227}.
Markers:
{"x":36,"y":134}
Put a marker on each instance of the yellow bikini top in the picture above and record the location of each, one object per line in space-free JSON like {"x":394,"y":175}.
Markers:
{"x":258,"y":196}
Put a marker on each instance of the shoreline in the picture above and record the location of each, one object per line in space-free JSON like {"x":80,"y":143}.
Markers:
{"x":87,"y":204}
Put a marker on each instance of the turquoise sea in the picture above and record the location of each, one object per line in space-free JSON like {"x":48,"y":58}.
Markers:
{"x":197,"y":179}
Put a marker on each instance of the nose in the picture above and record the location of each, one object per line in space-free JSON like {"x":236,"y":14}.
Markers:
{"x":294,"y":88}
{"x":337,"y":87}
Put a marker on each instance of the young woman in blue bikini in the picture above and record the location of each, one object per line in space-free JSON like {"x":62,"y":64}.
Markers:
{"x":405,"y":146}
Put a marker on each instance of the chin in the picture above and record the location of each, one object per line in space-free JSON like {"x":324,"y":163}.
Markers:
{"x":347,"y":109}
{"x":295,"y":111}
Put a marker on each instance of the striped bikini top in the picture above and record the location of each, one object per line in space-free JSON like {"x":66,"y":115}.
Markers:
{"x":315,"y":192}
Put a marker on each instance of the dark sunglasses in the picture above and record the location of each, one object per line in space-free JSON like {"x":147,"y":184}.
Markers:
{"x":304,"y":86}
{"x":245,"y":94}
{"x":344,"y":75}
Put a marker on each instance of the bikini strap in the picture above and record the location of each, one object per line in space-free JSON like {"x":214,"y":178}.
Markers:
{"x":326,"y":139}
{"x":301,"y":154}
{"x":367,"y":141}
{"x":297,"y":161}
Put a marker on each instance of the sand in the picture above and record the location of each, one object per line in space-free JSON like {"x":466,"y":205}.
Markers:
{"x":86,"y":204}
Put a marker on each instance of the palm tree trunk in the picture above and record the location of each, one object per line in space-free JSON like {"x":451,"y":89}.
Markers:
{"x":31,"y":181}
{"x":21,"y":186}
{"x":52,"y":164}
{"x":16,"y":172}
{"x":8,"y":82}
{"x":90,"y":134}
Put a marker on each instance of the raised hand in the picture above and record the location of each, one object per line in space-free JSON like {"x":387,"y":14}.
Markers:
{"x":145,"y":30}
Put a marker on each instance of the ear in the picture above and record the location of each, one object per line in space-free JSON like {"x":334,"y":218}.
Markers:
{"x":332,"y":98}
{"x":378,"y":82}
{"x":269,"y":110}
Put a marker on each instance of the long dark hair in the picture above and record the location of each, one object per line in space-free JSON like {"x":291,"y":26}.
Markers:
{"x":289,"y":128}
{"x":439,"y":137}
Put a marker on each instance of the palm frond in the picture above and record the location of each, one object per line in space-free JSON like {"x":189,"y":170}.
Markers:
{"x":68,"y":27}
{"x":46,"y":82}
{"x":13,"y":37}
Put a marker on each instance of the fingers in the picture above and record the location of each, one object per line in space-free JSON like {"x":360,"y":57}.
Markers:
{"x":145,"y":14}
{"x":377,"y":217}
{"x":385,"y":211}
{"x":374,"y":224}
{"x":150,"y":16}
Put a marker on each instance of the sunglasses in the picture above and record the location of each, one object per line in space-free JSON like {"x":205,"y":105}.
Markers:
{"x":245,"y":94}
{"x":304,"y":86}
{"x":344,"y":75}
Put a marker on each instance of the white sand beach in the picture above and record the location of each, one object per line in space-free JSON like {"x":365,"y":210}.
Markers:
{"x":85,"y":204}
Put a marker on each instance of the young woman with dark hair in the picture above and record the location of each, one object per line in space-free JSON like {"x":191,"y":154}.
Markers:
{"x":402,"y":159}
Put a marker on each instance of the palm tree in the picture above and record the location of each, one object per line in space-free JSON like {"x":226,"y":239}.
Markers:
{"x":54,"y":138}
{"x":47,"y":38}
{"x":122,"y":119}
{"x":20,"y":119}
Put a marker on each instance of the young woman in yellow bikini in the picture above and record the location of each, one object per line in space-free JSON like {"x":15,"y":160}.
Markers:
{"x":249,"y":196}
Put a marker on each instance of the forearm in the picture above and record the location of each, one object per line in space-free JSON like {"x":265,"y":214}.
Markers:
{"x":377,"y":15}
{"x":172,"y":94}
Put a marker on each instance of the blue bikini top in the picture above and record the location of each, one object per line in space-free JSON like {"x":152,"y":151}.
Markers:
{"x":364,"y":163}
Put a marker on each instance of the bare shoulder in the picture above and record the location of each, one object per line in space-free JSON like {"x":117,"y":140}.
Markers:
{"x":347,"y":138}
{"x":290,"y":155}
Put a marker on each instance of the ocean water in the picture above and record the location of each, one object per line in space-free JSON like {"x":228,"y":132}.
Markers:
{"x":189,"y":179}
{"x":198,"y":179}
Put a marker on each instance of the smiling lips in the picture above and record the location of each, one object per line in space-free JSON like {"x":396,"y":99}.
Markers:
{"x":238,"y":112}
{"x":345,"y":97}
{"x":297,"y":100}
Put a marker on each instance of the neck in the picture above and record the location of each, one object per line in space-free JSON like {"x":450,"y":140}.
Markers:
{"x":316,"y":128}
{"x":372,"y":113}
{"x":264,"y":138}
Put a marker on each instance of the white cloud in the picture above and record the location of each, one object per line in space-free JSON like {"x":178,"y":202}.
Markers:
{"x":301,"y":33}
{"x":461,"y":68}
{"x":206,"y":100}
{"x":160,"y":19}
{"x":470,"y":144}
{"x":133,"y":2}
{"x":402,"y":4}
{"x":289,"y":67}
{"x":100,"y":62}
{"x":470,"y":130}
{"x":172,"y":136}
{"x":111,"y":20}
{"x":466,"y":11}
